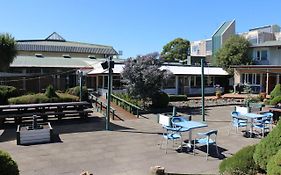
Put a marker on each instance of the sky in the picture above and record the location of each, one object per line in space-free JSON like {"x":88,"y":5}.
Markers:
{"x":136,"y":27}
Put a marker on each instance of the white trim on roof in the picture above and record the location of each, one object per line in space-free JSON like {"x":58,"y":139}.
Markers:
{"x":176,"y":70}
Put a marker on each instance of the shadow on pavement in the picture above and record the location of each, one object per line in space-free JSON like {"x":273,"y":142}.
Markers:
{"x":64,"y":126}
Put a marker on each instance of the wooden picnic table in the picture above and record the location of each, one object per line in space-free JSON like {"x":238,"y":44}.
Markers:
{"x":44,"y":110}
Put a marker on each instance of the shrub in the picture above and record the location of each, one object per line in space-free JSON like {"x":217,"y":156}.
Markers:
{"x":275,"y":100}
{"x":7,"y":92}
{"x":276,"y":91}
{"x":128,"y":98}
{"x":178,"y":98}
{"x":64,"y":97}
{"x":42,"y":98}
{"x":268,"y":147}
{"x":241,"y":162}
{"x":76,"y":91}
{"x":7,"y":165}
{"x":50,"y":92}
{"x":274,"y":164}
{"x":160,"y":100}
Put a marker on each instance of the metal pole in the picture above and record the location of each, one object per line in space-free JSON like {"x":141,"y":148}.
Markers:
{"x":80,"y":83}
{"x":202,"y":89}
{"x":107,"y":122}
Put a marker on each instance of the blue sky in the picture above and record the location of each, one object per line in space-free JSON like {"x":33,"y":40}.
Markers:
{"x":133,"y":26}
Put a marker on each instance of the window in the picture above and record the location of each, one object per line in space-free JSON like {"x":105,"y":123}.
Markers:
{"x":258,"y":55}
{"x":264,"y":55}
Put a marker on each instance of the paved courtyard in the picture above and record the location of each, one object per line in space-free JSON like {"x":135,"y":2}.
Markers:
{"x":130,"y":148}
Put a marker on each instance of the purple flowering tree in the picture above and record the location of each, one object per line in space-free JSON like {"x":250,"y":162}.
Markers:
{"x":142,"y":76}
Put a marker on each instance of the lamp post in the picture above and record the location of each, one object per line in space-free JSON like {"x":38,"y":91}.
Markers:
{"x":202,"y":89}
{"x":80,"y":74}
{"x":108,"y":65}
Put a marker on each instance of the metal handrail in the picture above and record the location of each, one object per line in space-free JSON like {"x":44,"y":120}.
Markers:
{"x":125,"y":104}
{"x":100,"y":105}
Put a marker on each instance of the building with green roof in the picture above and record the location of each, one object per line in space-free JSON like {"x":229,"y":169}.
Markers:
{"x":55,"y":61}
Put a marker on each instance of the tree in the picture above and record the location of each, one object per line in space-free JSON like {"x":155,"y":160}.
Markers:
{"x":142,"y":76}
{"x":235,"y":51}
{"x":8,"y":51}
{"x":175,"y":50}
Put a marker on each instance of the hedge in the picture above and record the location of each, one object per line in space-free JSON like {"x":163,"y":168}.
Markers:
{"x":76,"y":91}
{"x":268,"y":147}
{"x":7,"y":165}
{"x":160,"y":100}
{"x":42,"y":98}
{"x":7,"y":92}
{"x":274,"y":164}
{"x":241,"y":162}
{"x":276,"y":91}
{"x":177,"y":98}
{"x":275,"y":100}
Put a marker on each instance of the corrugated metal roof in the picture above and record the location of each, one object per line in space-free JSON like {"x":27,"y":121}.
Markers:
{"x":268,"y":44}
{"x":55,"y":43}
{"x":55,"y":62}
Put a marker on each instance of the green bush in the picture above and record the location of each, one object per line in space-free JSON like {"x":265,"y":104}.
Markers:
{"x":241,"y":162}
{"x":276,"y":91}
{"x":274,"y":164}
{"x":128,"y":98}
{"x":160,"y":100}
{"x":7,"y":92}
{"x":76,"y":91}
{"x":178,"y":98}
{"x":50,"y":92}
{"x":42,"y":98}
{"x":7,"y":165}
{"x":275,"y":100}
{"x":268,"y":147}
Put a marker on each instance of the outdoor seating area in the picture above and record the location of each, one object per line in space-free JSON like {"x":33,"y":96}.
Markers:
{"x":261,"y":122}
{"x":45,"y":111}
{"x":177,"y":125}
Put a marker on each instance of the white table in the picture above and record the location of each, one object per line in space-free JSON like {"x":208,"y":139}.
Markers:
{"x":189,"y":126}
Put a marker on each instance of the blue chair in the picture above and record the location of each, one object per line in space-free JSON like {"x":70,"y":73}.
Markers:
{"x":207,"y":138}
{"x":237,"y":121}
{"x":174,"y":121}
{"x":264,"y":123}
{"x":172,"y":133}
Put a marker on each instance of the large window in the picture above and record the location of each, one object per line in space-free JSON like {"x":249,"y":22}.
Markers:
{"x":251,"y":78}
{"x":261,"y":55}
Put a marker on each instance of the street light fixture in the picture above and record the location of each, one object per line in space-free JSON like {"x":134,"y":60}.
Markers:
{"x":109,"y":64}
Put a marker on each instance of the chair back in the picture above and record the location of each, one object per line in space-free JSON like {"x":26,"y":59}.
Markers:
{"x":212,"y":134}
{"x":164,"y":120}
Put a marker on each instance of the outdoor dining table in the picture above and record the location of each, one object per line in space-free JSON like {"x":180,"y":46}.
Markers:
{"x":186,"y":125}
{"x":252,"y":116}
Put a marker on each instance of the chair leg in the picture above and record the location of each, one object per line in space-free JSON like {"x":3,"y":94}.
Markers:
{"x":207,"y":152}
{"x":194,"y":147}
{"x":166,"y":145}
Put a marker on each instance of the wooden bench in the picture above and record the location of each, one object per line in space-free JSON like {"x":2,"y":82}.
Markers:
{"x":44,"y":110}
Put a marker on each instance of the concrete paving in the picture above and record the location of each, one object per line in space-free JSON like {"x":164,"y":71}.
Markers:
{"x":130,"y":148}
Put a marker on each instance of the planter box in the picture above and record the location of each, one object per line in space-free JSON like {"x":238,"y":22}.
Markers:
{"x":26,"y":136}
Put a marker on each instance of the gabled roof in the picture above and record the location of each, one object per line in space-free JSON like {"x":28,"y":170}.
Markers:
{"x":55,"y":37}
{"x":56,"y":43}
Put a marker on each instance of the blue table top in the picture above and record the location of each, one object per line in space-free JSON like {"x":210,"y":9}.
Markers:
{"x":188,"y":125}
{"x":253,"y":115}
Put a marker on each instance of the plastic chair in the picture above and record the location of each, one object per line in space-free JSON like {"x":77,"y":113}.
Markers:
{"x":264,"y":123}
{"x":237,"y":121}
{"x":172,"y":133}
{"x":175,"y":120}
{"x":207,"y":138}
